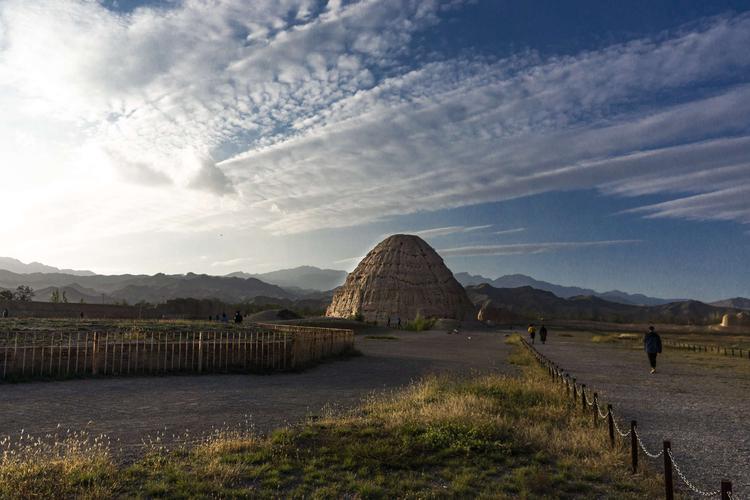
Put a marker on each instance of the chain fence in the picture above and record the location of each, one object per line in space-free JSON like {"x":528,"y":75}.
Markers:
{"x":589,"y":399}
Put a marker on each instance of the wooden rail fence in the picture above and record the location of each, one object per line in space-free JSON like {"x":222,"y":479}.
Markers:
{"x":253,"y":348}
{"x":715,"y":349}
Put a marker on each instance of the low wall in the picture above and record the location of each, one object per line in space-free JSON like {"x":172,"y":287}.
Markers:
{"x":18,"y":309}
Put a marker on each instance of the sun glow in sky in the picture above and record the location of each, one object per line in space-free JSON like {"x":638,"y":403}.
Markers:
{"x":579,"y":142}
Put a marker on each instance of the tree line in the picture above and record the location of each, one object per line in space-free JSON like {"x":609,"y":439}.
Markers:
{"x":22,"y":293}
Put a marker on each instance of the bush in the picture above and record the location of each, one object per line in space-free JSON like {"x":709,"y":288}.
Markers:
{"x":420,"y":323}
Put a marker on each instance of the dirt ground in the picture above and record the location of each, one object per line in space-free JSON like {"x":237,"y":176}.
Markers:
{"x":128,"y":409}
{"x":698,"y":401}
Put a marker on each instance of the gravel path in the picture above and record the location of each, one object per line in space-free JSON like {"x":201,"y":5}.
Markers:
{"x":699,"y":402}
{"x":127,"y":409}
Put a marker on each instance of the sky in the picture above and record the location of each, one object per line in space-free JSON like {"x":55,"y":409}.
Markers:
{"x":592,"y":143}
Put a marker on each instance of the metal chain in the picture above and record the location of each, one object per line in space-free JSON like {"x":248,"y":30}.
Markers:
{"x":688,"y":483}
{"x":602,"y":415}
{"x":617,"y":428}
{"x":643,"y":447}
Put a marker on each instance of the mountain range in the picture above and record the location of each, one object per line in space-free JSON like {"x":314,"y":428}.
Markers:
{"x":312,"y":287}
{"x":16,"y":266}
{"x":508,"y":305}
{"x":135,"y":288}
{"x":521,"y":280}
{"x":302,"y":278}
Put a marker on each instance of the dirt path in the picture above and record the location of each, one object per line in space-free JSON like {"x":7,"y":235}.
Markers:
{"x":699,"y":402}
{"x":127,"y":409}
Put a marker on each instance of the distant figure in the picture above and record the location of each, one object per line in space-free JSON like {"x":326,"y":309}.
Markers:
{"x":532,"y":332}
{"x":5,"y":313}
{"x":398,"y":322}
{"x":210,"y":318}
{"x":237,"y":317}
{"x":652,"y":345}
{"x":543,"y":334}
{"x":388,"y":324}
{"x":81,"y":314}
{"x":224,"y":318}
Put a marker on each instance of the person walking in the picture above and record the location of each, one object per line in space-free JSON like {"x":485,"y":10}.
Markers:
{"x":652,"y":346}
{"x":532,"y":332}
{"x":237,"y":317}
{"x":388,"y":324}
{"x":543,"y":334}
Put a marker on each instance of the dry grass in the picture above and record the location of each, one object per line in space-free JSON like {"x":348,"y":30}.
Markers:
{"x":485,"y":435}
{"x":59,"y":465}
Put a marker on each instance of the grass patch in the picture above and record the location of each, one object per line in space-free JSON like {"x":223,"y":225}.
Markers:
{"x":487,"y":435}
{"x":604,"y":339}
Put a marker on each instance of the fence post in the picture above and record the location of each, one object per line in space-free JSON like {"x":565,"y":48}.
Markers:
{"x":200,"y":352}
{"x":595,"y":409}
{"x":668,"y":482}
{"x":583,"y":398}
{"x":726,"y":490}
{"x":633,"y":446}
{"x":575,"y":393}
{"x":94,"y":352}
{"x":611,"y":422}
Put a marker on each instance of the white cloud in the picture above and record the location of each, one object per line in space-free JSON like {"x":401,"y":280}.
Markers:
{"x":529,"y":248}
{"x":444,"y":231}
{"x":511,"y":231}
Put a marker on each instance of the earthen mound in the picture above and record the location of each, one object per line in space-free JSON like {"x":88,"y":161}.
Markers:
{"x":401,"y":277}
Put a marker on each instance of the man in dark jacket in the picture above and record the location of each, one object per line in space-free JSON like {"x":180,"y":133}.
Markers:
{"x":652,"y":345}
{"x":543,"y":334}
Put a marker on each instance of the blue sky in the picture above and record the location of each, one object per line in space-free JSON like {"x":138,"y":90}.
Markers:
{"x":601,"y":144}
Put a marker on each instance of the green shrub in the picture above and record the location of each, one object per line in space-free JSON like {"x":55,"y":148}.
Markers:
{"x":420,"y":323}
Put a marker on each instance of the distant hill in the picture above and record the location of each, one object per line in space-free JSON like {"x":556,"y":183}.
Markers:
{"x":73,"y":293}
{"x":155,"y":289}
{"x":737,"y":303}
{"x":303,"y":278}
{"x":16,"y":266}
{"x":520,"y":280}
{"x":512,"y":304}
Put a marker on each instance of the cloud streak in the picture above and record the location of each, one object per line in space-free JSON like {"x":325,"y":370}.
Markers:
{"x":529,"y":248}
{"x":445,"y":231}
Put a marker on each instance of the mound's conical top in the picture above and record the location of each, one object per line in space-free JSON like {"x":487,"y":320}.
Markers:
{"x":400,"y":278}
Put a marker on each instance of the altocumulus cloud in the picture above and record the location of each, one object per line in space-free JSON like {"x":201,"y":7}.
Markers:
{"x":319,"y":123}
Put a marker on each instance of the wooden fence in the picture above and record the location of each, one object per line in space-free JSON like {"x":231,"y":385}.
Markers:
{"x":715,"y":349}
{"x":252,"y":348}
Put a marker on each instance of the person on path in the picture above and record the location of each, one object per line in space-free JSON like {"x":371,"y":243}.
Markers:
{"x":652,"y":346}
{"x":237,"y":317}
{"x":389,"y":322}
{"x":543,"y":334}
{"x":5,"y":313}
{"x":224,"y":318}
{"x":398,"y":322}
{"x":532,"y":332}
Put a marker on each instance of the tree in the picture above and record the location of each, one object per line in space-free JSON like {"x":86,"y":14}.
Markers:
{"x":6,"y":295}
{"x":55,"y":296}
{"x":23,"y":293}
